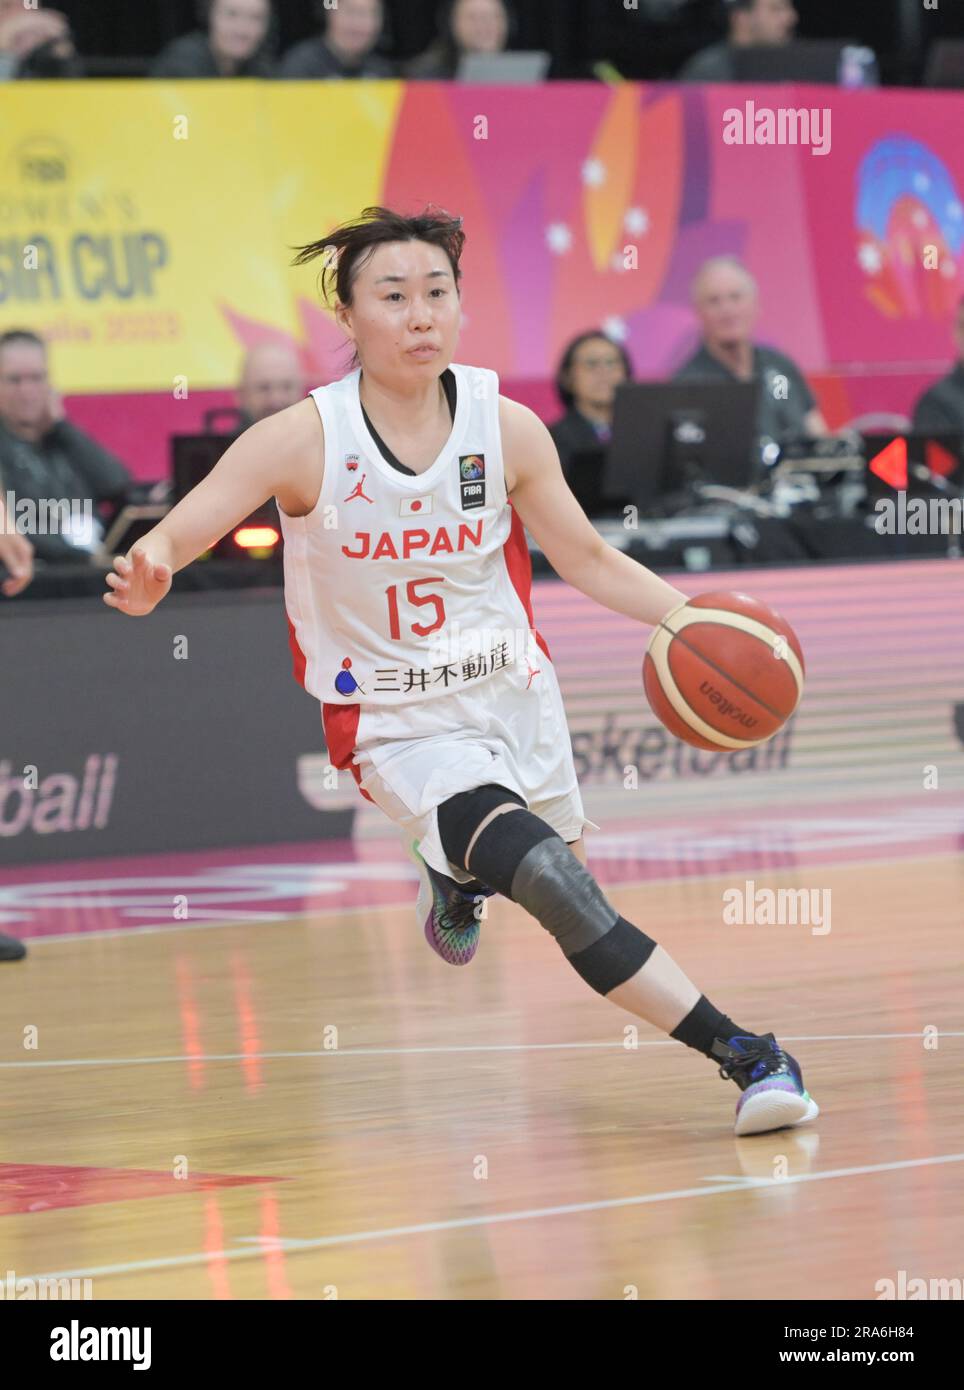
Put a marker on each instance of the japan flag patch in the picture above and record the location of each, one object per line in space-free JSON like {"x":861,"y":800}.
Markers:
{"x":415,"y":506}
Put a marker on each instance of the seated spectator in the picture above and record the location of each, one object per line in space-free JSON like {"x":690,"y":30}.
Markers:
{"x":45,"y":459}
{"x":941,"y":407}
{"x":35,"y":43}
{"x":234,"y":44}
{"x":725,"y":298}
{"x":751,"y":23}
{"x":271,"y":379}
{"x":591,"y":368}
{"x":345,"y":47}
{"x":467,"y":26}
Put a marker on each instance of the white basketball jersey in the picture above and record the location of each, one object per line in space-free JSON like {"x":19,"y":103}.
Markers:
{"x":402,"y":587}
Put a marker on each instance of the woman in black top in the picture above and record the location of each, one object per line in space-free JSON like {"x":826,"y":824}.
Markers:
{"x":464,"y":26}
{"x":591,"y":368}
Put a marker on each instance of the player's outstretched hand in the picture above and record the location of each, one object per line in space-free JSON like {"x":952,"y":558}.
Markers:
{"x":138,"y":585}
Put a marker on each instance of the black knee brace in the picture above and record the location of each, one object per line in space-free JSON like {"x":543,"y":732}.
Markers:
{"x":460,"y":817}
{"x":523,"y":858}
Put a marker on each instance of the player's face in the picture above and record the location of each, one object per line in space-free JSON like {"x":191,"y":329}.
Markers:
{"x":772,"y":21}
{"x":24,"y":384}
{"x":726,"y":304}
{"x":238,"y":27}
{"x":479,"y":26}
{"x":595,"y":372}
{"x":353,"y":26}
{"x":405,"y":313}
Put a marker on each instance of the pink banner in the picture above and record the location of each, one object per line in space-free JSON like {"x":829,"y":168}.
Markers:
{"x":587,"y":205}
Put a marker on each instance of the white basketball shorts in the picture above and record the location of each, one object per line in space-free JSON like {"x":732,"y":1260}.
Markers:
{"x":511,"y":729}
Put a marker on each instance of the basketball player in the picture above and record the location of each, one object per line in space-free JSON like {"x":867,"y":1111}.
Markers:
{"x":403,"y":490}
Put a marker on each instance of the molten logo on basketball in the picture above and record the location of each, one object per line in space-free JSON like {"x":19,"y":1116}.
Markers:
{"x":725,"y":706}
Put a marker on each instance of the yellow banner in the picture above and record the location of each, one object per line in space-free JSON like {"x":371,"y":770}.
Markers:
{"x":145,"y":227}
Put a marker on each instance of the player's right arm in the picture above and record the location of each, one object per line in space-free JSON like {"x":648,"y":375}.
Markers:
{"x":282,"y":456}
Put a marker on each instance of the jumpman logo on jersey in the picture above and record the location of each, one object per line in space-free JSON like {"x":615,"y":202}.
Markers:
{"x":359,"y":491}
{"x":533,"y":671}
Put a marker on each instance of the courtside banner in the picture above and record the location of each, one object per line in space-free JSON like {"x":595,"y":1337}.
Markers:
{"x":142,"y":226}
{"x":146,"y":227}
{"x":186,"y":730}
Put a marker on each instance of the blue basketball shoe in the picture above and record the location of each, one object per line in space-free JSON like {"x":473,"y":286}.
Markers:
{"x":774,"y":1096}
{"x":450,"y":913}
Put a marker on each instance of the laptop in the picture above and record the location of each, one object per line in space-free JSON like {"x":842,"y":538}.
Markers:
{"x":503,"y":68}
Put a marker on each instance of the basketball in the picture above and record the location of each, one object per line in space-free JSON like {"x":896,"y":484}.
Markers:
{"x":723,"y":671}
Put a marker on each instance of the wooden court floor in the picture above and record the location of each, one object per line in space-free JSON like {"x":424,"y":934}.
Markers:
{"x":318,"y":1107}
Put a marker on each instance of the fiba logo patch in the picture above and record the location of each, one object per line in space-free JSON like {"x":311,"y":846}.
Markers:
{"x":472,"y":480}
{"x":351,"y":462}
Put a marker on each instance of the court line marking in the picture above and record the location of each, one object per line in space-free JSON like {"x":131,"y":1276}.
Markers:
{"x":441,"y":1049}
{"x":325,"y":913}
{"x":260,"y":1245}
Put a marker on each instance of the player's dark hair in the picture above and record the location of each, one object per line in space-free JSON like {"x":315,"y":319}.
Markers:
{"x":565,"y":365}
{"x":347,"y":248}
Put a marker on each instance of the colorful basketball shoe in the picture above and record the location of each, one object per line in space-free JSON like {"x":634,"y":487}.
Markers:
{"x":773,"y":1096}
{"x":448,"y":911}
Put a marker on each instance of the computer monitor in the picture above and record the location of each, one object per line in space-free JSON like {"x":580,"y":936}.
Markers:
{"x":804,"y":60}
{"x":192,"y":458}
{"x":585,"y":473}
{"x":670,"y":436}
